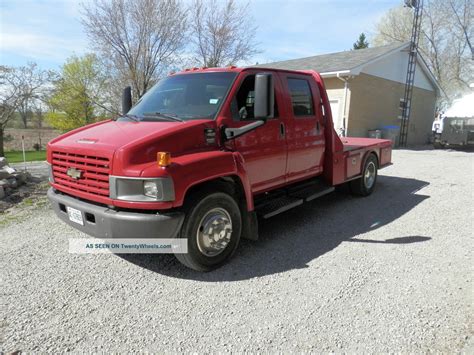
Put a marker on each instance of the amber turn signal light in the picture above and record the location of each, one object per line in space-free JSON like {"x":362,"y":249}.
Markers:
{"x":163,"y":158}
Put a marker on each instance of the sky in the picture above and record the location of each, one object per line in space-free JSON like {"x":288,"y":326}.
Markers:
{"x":49,"y":31}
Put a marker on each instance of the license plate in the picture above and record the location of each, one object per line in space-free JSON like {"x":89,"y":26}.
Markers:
{"x":75,"y":215}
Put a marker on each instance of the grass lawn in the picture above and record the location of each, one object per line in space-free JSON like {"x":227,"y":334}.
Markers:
{"x":17,"y":157}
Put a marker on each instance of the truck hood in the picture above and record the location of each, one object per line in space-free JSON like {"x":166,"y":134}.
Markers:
{"x":132,"y":145}
{"x":112,"y":135}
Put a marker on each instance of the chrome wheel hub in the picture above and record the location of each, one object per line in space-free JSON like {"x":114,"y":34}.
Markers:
{"x":214,"y":232}
{"x":369,"y":175}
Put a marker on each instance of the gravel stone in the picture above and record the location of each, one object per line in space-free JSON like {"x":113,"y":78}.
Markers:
{"x":388,"y":273}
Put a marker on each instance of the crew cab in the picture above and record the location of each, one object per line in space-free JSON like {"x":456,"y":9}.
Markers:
{"x":203,"y":155}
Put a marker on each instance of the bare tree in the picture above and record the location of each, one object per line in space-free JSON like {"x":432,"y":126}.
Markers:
{"x":32,"y":85}
{"x":223,"y":33}
{"x":445,"y":42}
{"x":140,"y":39}
{"x":394,"y":26}
{"x":463,"y":13}
{"x":10,"y":99}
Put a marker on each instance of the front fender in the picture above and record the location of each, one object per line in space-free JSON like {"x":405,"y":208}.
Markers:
{"x":196,"y":168}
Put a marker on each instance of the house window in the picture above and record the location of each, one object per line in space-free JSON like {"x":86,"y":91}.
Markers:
{"x":301,"y":97}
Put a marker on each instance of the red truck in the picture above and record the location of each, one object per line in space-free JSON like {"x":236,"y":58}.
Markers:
{"x":203,"y":154}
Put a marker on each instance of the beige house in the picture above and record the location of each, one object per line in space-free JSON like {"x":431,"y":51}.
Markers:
{"x":365,"y":88}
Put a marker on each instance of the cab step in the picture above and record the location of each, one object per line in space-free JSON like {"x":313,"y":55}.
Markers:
{"x":312,"y":191}
{"x":282,"y":200}
{"x":277,"y":205}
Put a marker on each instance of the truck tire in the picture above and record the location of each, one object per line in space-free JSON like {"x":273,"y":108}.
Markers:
{"x":365,"y":185}
{"x":212,"y":226}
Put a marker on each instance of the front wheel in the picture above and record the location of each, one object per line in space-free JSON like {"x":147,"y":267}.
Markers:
{"x":365,"y":185}
{"x":212,"y":227}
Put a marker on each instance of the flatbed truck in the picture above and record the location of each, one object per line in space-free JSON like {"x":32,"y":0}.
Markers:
{"x":204,"y":155}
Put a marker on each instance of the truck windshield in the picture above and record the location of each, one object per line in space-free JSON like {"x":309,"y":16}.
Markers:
{"x":183,"y":97}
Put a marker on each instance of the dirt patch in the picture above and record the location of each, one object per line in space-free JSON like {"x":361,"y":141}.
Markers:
{"x":19,"y":187}
{"x":30,"y":195}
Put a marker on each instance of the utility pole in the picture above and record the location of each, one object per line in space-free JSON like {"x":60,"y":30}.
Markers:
{"x":417,"y":6}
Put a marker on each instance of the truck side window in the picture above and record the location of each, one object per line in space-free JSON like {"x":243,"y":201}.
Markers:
{"x":243,"y":103}
{"x":301,"y":97}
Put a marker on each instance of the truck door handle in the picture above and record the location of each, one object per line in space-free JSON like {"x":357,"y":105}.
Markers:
{"x":317,"y":126}
{"x":282,"y":129}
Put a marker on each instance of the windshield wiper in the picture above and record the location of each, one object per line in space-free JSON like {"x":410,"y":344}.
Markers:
{"x":132,"y":117}
{"x":196,"y":117}
{"x":168,"y":116}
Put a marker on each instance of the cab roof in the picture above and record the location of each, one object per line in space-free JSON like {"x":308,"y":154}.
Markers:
{"x":235,"y":69}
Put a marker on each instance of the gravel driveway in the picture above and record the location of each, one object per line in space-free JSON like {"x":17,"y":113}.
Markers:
{"x":387,"y":273}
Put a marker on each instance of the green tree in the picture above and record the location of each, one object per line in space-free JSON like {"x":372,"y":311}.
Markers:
{"x":78,"y":96}
{"x":361,"y":42}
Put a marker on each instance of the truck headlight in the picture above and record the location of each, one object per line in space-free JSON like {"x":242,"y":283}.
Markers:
{"x":150,"y":189}
{"x":141,"y":189}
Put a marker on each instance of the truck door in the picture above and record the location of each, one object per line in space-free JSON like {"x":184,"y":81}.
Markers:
{"x":264,"y":149}
{"x":305,"y":133}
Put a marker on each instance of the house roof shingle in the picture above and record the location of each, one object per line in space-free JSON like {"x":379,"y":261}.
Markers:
{"x":334,"y":62}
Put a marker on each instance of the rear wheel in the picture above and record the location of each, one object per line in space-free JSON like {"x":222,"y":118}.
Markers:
{"x":365,"y":185}
{"x":212,"y":227}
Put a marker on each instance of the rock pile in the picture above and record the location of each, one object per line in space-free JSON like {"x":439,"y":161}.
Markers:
{"x":10,"y":178}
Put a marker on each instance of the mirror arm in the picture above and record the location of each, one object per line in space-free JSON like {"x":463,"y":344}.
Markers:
{"x":231,"y":133}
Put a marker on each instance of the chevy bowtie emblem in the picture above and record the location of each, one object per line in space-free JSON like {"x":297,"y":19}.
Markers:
{"x":74,"y":173}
